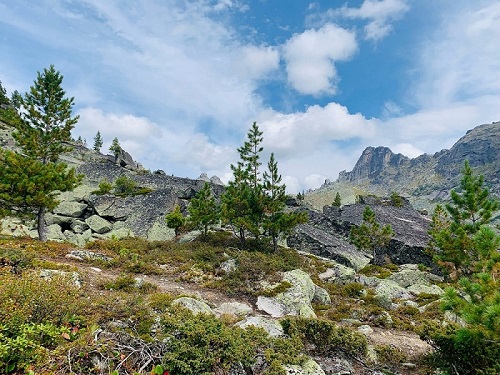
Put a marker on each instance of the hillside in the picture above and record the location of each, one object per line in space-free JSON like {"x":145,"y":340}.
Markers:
{"x":423,"y":180}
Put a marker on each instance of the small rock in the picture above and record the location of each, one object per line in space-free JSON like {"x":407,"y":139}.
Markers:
{"x":365,"y":329}
{"x":193,"y":305}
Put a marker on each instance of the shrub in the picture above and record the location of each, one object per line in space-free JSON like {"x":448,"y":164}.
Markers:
{"x":105,"y":187}
{"x":124,"y":185}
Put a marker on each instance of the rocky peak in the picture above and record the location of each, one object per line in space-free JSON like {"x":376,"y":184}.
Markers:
{"x":373,"y":161}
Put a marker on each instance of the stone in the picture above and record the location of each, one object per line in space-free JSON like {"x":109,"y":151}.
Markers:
{"x":11,"y":226}
{"x":193,"y":305}
{"x":98,"y":224}
{"x":271,"y":326}
{"x":49,"y":274}
{"x":296,"y":300}
{"x":233,"y":308}
{"x":338,"y":273}
{"x":72,"y":209}
{"x":78,"y":226}
{"x":321,"y":296}
{"x":391,"y":289}
{"x":159,"y":231}
{"x":54,"y":233}
{"x":88,"y":255}
{"x":228,"y":266}
{"x":365,"y":329}
{"x":118,"y":234}
{"x":408,"y":277}
{"x":74,"y":238}
{"x":309,"y":367}
{"x":79,"y":194}
{"x":427,"y":289}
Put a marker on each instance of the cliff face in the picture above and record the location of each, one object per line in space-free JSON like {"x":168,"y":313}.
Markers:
{"x":424,"y":179}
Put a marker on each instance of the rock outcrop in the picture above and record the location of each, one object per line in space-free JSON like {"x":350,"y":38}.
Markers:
{"x":424,"y":179}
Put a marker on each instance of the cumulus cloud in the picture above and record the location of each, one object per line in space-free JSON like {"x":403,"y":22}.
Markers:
{"x":310,"y":58}
{"x":257,"y":61}
{"x":378,"y":14}
{"x":303,"y":132}
{"x":407,"y":149}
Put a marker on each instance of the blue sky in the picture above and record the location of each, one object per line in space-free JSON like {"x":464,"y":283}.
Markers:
{"x":180,"y":82}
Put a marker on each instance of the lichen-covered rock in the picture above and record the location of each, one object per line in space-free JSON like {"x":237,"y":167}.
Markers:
{"x":234,"y":308}
{"x":87,"y":255}
{"x":159,"y":231}
{"x":309,"y":367}
{"x":119,"y":233}
{"x":427,"y":289}
{"x":321,"y":296}
{"x":11,"y":226}
{"x":98,"y":224}
{"x":54,"y":233}
{"x":338,"y":273}
{"x":271,"y":326}
{"x":193,"y":305}
{"x":407,"y":277}
{"x":74,"y":238}
{"x":78,"y":226}
{"x":296,"y":300}
{"x":72,"y":209}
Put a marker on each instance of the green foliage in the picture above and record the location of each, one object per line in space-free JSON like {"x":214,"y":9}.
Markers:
{"x":465,"y":245}
{"x":175,"y":219}
{"x":43,"y":129}
{"x":396,"y":200}
{"x":124,"y":185}
{"x":115,"y":148}
{"x":337,"y":201}
{"x":370,"y":235}
{"x":97,"y":142}
{"x":324,"y":337}
{"x":202,"y":344}
{"x":105,"y":187}
{"x":203,"y":210}
{"x":27,"y":185}
{"x":256,"y":204}
{"x":4,"y":99}
{"x":453,"y":230}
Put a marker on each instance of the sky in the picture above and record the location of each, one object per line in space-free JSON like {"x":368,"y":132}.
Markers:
{"x":180,"y":83}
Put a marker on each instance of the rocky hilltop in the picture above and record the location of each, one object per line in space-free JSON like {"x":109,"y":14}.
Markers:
{"x":423,"y":180}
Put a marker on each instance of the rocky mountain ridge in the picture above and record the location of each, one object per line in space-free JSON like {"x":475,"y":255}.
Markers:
{"x":424,"y":179}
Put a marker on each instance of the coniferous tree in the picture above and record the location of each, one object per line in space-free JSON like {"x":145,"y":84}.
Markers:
{"x":42,"y":133}
{"x":203,"y":210}
{"x":337,"y":202}
{"x":175,"y":219}
{"x":115,"y":148}
{"x":370,"y":235}
{"x":452,"y":231}
{"x":4,"y":99}
{"x":276,"y":221}
{"x":97,"y":142}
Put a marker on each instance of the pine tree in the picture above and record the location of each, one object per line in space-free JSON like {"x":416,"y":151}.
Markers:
{"x":42,"y":133}
{"x":97,"y":142}
{"x":370,"y":235}
{"x":276,"y":221}
{"x":203,"y":209}
{"x":175,"y":219}
{"x":337,"y":202}
{"x":115,"y":148}
{"x":452,"y":231}
{"x":4,"y":99}
{"x":243,"y":200}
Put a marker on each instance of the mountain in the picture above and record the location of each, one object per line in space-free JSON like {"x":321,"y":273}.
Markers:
{"x":423,"y":180}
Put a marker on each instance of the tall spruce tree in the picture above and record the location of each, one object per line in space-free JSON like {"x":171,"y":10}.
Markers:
{"x":370,"y":235}
{"x":203,"y":209}
{"x":97,"y":142}
{"x":42,"y":134}
{"x":115,"y":148}
{"x":337,"y":201}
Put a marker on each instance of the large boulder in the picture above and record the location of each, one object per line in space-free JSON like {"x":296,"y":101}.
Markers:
{"x":193,"y":305}
{"x":271,"y":326}
{"x":309,"y":367}
{"x":72,"y":209}
{"x":98,"y":224}
{"x":297,"y":299}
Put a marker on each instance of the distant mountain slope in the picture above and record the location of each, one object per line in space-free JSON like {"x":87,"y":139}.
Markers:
{"x":425,"y":179}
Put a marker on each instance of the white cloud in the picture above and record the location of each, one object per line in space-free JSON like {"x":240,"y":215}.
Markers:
{"x":303,"y":132}
{"x":461,"y":60}
{"x":256,"y":62}
{"x":379,"y":14}
{"x":310,"y":58}
{"x":207,"y":156}
{"x":407,"y":149}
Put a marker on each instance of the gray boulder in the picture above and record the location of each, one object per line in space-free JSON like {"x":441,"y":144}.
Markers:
{"x":234,"y":308}
{"x":98,"y":224}
{"x":72,"y":209}
{"x":193,"y":305}
{"x":271,"y":326}
{"x":427,"y":289}
{"x":408,"y":277}
{"x":54,"y":233}
{"x":309,"y":367}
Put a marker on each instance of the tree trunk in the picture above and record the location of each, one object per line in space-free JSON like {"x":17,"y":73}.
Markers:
{"x":275,"y":243}
{"x":42,"y":230}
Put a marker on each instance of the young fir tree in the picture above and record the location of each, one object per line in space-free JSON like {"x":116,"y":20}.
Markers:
{"x":4,"y":99}
{"x":97,"y":142}
{"x":115,"y":148}
{"x":276,"y":221}
{"x":175,"y":219}
{"x":370,"y":235}
{"x":42,"y":134}
{"x":203,"y":209}
{"x":337,"y":202}
{"x":243,"y":202}
{"x":452,"y":231}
